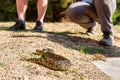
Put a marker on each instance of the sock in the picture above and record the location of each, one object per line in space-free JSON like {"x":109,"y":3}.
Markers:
{"x":22,"y":21}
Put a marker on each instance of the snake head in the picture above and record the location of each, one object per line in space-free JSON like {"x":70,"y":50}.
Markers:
{"x":38,"y":52}
{"x":47,"y":50}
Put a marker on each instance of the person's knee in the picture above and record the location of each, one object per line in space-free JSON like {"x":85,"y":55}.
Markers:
{"x":75,"y":12}
{"x":69,"y":13}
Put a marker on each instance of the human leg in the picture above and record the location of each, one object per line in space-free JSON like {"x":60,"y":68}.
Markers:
{"x":83,"y":14}
{"x":105,"y":10}
{"x":41,"y":10}
{"x":21,"y":10}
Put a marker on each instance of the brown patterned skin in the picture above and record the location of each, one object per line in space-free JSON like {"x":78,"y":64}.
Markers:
{"x":51,"y":60}
{"x":99,"y":57}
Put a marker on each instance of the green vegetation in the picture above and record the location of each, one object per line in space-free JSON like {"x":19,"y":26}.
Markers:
{"x":8,"y":7}
{"x":116,"y":16}
{"x":2,"y":64}
{"x":94,"y":50}
{"x":8,"y":10}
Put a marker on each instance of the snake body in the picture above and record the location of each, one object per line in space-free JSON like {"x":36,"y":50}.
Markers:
{"x":51,"y":60}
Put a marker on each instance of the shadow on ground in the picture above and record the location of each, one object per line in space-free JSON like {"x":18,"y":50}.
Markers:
{"x":78,"y":42}
{"x":86,"y":45}
{"x":73,"y":41}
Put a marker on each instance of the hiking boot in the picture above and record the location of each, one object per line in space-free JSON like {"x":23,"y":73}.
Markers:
{"x":91,"y":31}
{"x":19,"y":25}
{"x":38,"y":26}
{"x":108,"y":40}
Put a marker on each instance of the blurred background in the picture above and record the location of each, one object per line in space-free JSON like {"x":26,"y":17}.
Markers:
{"x":55,"y":8}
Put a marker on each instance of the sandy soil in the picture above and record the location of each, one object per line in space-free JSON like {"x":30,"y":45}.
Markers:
{"x":62,"y":37}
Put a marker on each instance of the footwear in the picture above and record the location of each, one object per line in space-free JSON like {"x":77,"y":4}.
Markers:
{"x":108,"y":40}
{"x":19,"y":25}
{"x":38,"y":26}
{"x":91,"y":31}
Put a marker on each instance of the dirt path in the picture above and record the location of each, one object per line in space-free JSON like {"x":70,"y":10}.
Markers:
{"x":62,"y":37}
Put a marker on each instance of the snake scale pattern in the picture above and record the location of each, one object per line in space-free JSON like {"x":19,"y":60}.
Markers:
{"x":51,"y":60}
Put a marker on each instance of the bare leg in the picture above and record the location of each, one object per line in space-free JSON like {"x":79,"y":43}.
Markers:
{"x":41,"y":8}
{"x":21,"y":8}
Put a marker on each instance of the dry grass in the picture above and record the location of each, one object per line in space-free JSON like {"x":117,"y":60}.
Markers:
{"x":67,"y":39}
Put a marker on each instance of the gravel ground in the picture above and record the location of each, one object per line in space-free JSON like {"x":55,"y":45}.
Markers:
{"x":15,"y":46}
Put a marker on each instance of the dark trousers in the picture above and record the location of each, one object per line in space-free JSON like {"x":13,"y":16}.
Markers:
{"x":86,"y":14}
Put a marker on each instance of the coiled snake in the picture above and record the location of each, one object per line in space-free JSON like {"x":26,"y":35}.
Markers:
{"x":51,"y":60}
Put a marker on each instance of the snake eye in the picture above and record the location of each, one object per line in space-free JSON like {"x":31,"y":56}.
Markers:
{"x":39,"y":51}
{"x":45,"y":50}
